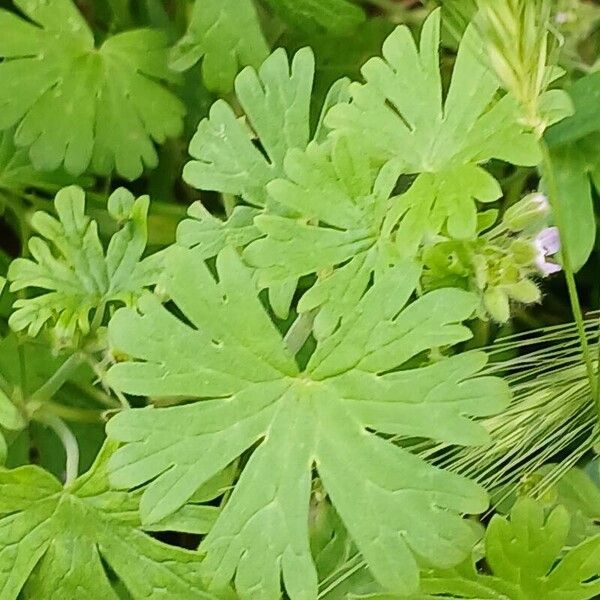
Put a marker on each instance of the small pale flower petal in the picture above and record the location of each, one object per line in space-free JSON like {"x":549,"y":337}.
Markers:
{"x":548,"y":241}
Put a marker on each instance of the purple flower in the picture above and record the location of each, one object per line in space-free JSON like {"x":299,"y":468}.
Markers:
{"x":547,"y":243}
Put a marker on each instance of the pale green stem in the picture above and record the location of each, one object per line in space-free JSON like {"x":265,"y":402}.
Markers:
{"x":70,"y":413}
{"x":98,"y":395}
{"x":98,"y":316}
{"x":569,"y":273}
{"x":58,"y":379}
{"x":69,"y":442}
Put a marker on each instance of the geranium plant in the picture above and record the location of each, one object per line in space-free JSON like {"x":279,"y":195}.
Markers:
{"x":265,"y":314}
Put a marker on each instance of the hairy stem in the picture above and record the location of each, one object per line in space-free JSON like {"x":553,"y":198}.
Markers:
{"x":569,"y":273}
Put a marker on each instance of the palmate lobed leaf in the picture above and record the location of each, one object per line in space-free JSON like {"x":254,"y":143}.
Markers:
{"x":442,"y":139}
{"x":228,"y":355}
{"x":55,"y":542}
{"x":78,"y":277}
{"x":345,"y":240}
{"x":523,"y":557}
{"x":276,"y":100}
{"x":52,"y":76}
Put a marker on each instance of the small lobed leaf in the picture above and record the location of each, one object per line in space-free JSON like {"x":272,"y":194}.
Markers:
{"x":276,"y":101}
{"x":252,"y":399}
{"x":344,"y":240}
{"x":240,"y":156}
{"x":226,"y":35}
{"x":51,"y":75}
{"x":523,"y":556}
{"x":439,"y":138}
{"x":76,"y":276}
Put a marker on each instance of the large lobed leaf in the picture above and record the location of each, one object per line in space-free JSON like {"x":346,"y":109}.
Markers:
{"x":57,"y":542}
{"x":52,"y":76}
{"x":251,"y":395}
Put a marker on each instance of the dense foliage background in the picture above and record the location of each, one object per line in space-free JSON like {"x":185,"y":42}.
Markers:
{"x":99,"y":96}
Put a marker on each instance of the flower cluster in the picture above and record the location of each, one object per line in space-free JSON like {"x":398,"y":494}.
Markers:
{"x":504,"y":263}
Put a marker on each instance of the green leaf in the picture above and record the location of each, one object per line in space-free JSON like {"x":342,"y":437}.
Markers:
{"x":276,"y":101}
{"x":17,"y":174}
{"x":226,"y":35}
{"x":78,"y":276}
{"x":355,"y":228}
{"x":576,"y":169}
{"x":334,"y":17}
{"x":443,"y":139}
{"x":250,"y":395}
{"x":585,"y":94}
{"x":52,"y":76}
{"x":580,"y":496}
{"x":522,"y":555}
{"x":55,"y":542}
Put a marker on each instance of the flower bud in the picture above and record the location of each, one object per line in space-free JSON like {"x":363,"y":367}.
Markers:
{"x":497,"y":304}
{"x":524,"y":291}
{"x":523,"y":252}
{"x":528,"y":212}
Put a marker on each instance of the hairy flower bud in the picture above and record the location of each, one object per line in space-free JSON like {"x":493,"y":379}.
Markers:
{"x":497,"y":304}
{"x":524,"y":291}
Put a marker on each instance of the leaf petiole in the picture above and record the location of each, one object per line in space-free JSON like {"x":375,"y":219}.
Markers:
{"x":58,"y":379}
{"x":69,"y":442}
